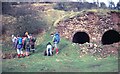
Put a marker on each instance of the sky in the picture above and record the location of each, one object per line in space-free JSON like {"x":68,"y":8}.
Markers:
{"x":105,"y":1}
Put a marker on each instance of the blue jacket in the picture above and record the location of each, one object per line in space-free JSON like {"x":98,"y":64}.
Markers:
{"x":56,"y":37}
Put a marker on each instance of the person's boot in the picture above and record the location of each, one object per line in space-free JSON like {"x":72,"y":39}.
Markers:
{"x":26,"y":54}
{"x":18,"y":55}
{"x":56,"y":50}
{"x":52,"y":48}
{"x":23,"y":55}
{"x":33,"y":51}
{"x":52,"y":53}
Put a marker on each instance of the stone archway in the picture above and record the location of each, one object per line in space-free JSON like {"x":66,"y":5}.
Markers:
{"x":80,"y":37}
{"x":110,"y":37}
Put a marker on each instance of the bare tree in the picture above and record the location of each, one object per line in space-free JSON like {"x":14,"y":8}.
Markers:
{"x":98,"y":3}
{"x":84,"y":1}
{"x":111,"y":4}
{"x":79,"y":0}
{"x":118,"y":5}
{"x":103,"y":5}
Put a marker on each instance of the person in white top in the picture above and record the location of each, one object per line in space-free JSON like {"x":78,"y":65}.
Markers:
{"x":14,"y":40}
{"x":49,"y":49}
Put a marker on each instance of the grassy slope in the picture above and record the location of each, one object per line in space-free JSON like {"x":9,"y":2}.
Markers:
{"x":67,"y":60}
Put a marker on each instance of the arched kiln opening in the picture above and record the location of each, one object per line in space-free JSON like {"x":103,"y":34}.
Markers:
{"x":110,"y":37}
{"x":80,"y":37}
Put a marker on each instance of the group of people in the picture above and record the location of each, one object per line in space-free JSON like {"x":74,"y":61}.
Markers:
{"x":27,"y":43}
{"x":50,"y":48}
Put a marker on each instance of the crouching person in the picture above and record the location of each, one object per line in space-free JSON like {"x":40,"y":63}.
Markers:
{"x":19,"y":47}
{"x":49,"y":51}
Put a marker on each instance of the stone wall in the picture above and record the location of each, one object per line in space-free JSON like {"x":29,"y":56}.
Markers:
{"x":94,"y":24}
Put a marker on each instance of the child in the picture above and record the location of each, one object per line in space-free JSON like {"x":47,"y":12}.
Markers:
{"x":49,"y":49}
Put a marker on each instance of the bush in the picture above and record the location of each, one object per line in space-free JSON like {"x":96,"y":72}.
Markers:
{"x":74,"y":6}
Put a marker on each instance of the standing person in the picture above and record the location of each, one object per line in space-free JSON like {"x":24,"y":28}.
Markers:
{"x":27,"y":46}
{"x":56,"y":40}
{"x":14,"y":40}
{"x":19,"y":46}
{"x":23,"y":41}
{"x":24,"y":38}
{"x":32,"y":43}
